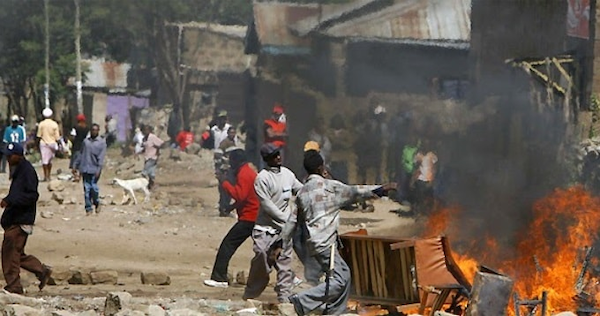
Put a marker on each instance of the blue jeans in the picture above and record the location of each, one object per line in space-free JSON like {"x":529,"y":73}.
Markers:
{"x":91,"y":190}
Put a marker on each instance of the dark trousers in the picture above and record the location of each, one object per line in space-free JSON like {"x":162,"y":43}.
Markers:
{"x":423,"y":197}
{"x":236,"y":236}
{"x":14,"y":258}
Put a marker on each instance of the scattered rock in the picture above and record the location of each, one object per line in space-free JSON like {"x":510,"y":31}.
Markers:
{"x":184,"y":312}
{"x":189,"y":202}
{"x":10,"y":298}
{"x":213,"y":183}
{"x":55,"y":186}
{"x":115,"y":302}
{"x":88,"y":313}
{"x":155,"y":310}
{"x":58,"y":197}
{"x":155,"y":278}
{"x":62,"y":313}
{"x":250,"y":303}
{"x":128,"y":312}
{"x":175,"y":154}
{"x":46,"y":214}
{"x":104,"y":277}
{"x":240,"y":278}
{"x":193,"y":149}
{"x":60,"y":277}
{"x":20,"y":310}
{"x":43,"y":203}
{"x":70,"y":201}
{"x":286,"y":309}
{"x":65,"y":177}
{"x":80,"y":277}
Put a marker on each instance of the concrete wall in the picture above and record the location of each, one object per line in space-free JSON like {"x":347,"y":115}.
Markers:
{"x":207,"y":50}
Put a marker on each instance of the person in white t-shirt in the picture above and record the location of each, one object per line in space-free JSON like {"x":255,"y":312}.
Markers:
{"x":424,"y":179}
{"x":219,"y":134}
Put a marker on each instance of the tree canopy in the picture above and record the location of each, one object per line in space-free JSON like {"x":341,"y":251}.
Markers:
{"x":123,"y":31}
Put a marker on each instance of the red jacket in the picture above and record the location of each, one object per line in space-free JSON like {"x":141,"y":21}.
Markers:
{"x":184,"y":139}
{"x":246,"y":201}
{"x":278,"y":127}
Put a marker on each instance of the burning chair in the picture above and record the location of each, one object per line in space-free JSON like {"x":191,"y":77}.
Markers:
{"x":414,"y":273}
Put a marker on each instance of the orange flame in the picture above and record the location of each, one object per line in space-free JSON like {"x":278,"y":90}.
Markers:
{"x":549,"y":254}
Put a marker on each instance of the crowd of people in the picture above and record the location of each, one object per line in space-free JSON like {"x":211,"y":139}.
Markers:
{"x":281,"y":213}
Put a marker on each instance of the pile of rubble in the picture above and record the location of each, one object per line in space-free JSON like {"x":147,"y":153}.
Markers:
{"x":125,"y":304}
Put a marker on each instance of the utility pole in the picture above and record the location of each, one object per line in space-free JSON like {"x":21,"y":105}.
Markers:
{"x":78,"y":56}
{"x":47,"y":57}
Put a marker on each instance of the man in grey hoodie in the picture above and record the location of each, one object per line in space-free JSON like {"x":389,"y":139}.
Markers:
{"x":275,"y":185}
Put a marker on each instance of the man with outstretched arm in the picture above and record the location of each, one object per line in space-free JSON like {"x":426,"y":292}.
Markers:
{"x":319,"y":203}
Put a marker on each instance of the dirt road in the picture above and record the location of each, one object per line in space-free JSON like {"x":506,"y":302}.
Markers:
{"x":177,"y":232}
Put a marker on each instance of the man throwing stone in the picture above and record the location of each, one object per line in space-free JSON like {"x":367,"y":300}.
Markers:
{"x":319,"y":203}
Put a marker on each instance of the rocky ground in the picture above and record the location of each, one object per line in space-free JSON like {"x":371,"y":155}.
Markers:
{"x":172,"y":239}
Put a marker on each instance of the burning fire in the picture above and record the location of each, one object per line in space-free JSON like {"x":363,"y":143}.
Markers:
{"x":549,"y":255}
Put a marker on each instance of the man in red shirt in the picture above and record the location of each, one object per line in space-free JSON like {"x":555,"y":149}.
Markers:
{"x":246,"y":204}
{"x":184,"y":138}
{"x":276,"y":129}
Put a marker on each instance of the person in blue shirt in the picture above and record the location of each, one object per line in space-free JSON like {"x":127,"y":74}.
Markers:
{"x":15,"y":133}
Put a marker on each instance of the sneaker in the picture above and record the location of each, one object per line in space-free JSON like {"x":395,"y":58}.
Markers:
{"x":98,"y":208}
{"x":213,"y":283}
{"x":45,"y":277}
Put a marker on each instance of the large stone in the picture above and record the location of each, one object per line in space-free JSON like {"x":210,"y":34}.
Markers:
{"x":21,"y":310}
{"x":10,"y":298}
{"x":55,"y":186}
{"x":155,"y":310}
{"x":58,"y":197}
{"x":80,"y":277}
{"x":104,"y":277}
{"x":115,"y":302}
{"x":155,"y":278}
{"x":60,"y":277}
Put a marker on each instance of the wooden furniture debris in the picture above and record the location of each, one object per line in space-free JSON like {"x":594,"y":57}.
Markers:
{"x":380,"y":275}
{"x":442,"y":293}
{"x":490,"y":294}
{"x":390,"y":270}
{"x":531,"y":305}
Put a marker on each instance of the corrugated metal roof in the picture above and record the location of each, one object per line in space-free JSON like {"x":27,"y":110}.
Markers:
{"x":231,"y":30}
{"x":105,"y":74}
{"x":412,"y":19}
{"x":272,"y":21}
{"x":333,"y":13}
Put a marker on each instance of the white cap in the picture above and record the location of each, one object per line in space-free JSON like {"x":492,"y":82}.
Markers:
{"x":379,"y":109}
{"x":14,"y":118}
{"x":47,"y":112}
